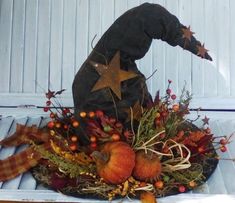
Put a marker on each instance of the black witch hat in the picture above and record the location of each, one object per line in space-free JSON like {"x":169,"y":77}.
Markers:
{"x":127,"y":40}
{"x":109,"y":80}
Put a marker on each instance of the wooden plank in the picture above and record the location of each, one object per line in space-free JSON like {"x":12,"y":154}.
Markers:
{"x":6,"y":10}
{"x":158,"y":55}
{"x":131,"y":4}
{"x":107,"y":14}
{"x":197,"y":198}
{"x":203,"y":189}
{"x":120,"y":7}
{"x":232,"y":47}
{"x":43,"y":43}
{"x":56,"y":44}
{"x":146,"y":65}
{"x":17,"y":47}
{"x":94,"y":23}
{"x":50,"y":196}
{"x":5,"y":127}
{"x":27,"y":182}
{"x":30,"y":47}
{"x":210,"y":34}
{"x":185,"y":57}
{"x":171,"y":54}
{"x":16,"y":182}
{"x":216,"y":182}
{"x":231,"y":146}
{"x":198,"y":64}
{"x":227,"y":167}
{"x":82,"y":34}
{"x":68,"y":61}
{"x":222,"y":9}
{"x":32,"y":100}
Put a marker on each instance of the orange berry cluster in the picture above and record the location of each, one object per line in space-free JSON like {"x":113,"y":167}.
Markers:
{"x":62,"y":120}
{"x":102,"y":128}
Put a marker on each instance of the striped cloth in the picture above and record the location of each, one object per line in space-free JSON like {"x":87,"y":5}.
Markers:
{"x":23,"y":161}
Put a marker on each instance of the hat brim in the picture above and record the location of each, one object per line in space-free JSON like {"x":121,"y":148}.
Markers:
{"x":208,"y":164}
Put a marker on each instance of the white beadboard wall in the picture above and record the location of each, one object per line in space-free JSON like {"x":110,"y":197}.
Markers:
{"x":44,"y":42}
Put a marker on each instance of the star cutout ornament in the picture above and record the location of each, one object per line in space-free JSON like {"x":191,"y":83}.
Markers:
{"x":201,"y":51}
{"x":187,"y":35}
{"x":205,"y":121}
{"x":111,"y":75}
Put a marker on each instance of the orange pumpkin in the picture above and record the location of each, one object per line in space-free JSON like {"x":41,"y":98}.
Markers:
{"x":114,"y":162}
{"x":147,"y":166}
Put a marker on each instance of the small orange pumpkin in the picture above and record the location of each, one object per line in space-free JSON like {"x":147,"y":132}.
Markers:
{"x":114,"y":162}
{"x":147,"y":166}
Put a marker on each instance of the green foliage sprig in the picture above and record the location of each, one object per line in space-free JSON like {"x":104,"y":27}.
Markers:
{"x":64,"y":165}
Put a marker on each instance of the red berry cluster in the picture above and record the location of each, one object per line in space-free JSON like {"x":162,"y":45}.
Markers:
{"x":223,"y":142}
{"x":62,"y":120}
{"x":169,"y":108}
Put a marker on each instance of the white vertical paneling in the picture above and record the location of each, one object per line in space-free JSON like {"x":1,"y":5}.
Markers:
{"x":5,"y":126}
{"x":232,"y":47}
{"x":210,"y":33}
{"x":224,"y":127}
{"x":198,"y":64}
{"x":216,"y":182}
{"x":120,"y":7}
{"x":43,"y":45}
{"x":107,"y":14}
{"x":6,"y":9}
{"x":146,"y":64}
{"x":81,"y":33}
{"x":68,"y":62}
{"x":223,"y":47}
{"x":56,"y":44}
{"x":30,"y":46}
{"x":185,"y":57}
{"x":132,"y":4}
{"x":26,"y":180}
{"x":94,"y":23}
{"x":158,"y":54}
{"x":17,"y":46}
{"x":171,"y":59}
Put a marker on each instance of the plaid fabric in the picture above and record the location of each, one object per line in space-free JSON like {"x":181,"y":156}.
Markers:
{"x":19,"y":163}
{"x":23,"y":134}
{"x":23,"y":161}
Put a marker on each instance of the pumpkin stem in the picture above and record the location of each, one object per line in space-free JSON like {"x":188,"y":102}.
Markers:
{"x":101,"y":157}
